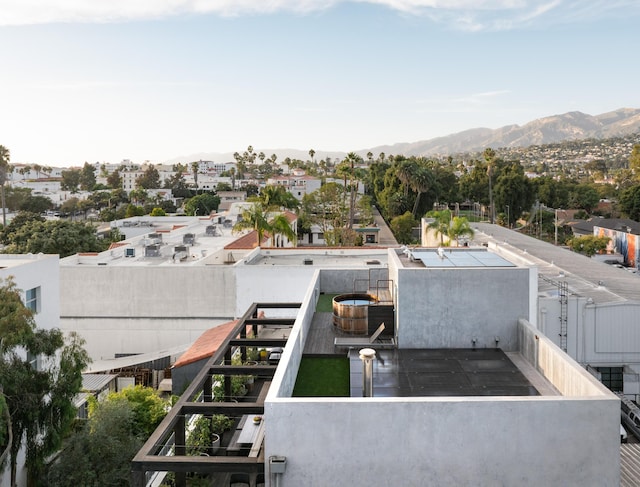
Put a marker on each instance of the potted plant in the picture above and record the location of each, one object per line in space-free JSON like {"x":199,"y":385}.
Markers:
{"x":257,"y":419}
{"x":205,"y":438}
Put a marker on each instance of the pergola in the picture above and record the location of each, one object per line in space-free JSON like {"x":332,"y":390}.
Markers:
{"x":165,"y":450}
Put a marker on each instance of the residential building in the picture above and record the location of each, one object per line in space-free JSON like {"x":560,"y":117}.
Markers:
{"x":472,"y":394}
{"x":37,"y":278}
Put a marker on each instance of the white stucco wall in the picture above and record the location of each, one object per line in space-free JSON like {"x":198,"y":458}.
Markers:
{"x":445,"y":441}
{"x":143,"y":309}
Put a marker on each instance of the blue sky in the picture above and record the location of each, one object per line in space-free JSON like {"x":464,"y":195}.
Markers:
{"x":83,"y":80}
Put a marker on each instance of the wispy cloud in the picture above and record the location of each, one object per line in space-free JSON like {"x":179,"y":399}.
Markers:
{"x":470,"y":15}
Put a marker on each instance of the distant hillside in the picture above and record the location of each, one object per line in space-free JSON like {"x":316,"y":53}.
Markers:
{"x":547,"y":130}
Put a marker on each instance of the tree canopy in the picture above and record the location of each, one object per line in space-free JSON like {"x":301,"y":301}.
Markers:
{"x":29,"y":233}
{"x":39,"y":398}
{"x":202,"y":204}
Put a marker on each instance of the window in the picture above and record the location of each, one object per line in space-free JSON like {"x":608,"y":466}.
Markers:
{"x":612,"y":377}
{"x":32,"y":300}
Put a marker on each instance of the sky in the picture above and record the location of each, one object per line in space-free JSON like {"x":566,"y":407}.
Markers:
{"x":103,"y":81}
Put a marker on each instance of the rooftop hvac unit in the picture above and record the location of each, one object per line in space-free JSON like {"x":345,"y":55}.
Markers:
{"x":189,"y":239}
{"x":307,"y":261}
{"x":130,"y":252}
{"x":152,"y":250}
{"x":180,"y":248}
{"x":156,"y":236}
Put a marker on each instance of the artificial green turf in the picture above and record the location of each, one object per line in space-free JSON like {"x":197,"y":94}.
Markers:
{"x":325,"y":303}
{"x":323,"y":377}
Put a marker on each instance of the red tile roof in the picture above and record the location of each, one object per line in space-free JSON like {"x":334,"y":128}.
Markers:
{"x":206,"y":345}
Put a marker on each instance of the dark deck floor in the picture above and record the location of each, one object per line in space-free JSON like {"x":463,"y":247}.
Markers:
{"x":441,"y":372}
{"x":425,"y":372}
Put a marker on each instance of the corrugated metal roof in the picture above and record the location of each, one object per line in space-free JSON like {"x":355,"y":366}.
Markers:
{"x":630,"y":465}
{"x":95,"y":382}
{"x":584,"y":276}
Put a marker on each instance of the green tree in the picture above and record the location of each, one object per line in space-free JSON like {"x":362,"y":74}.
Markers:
{"x":70,"y":206}
{"x":459,"y":228}
{"x":583,"y":196}
{"x":87,"y":177}
{"x":99,"y":455}
{"x":441,"y":223}
{"x":513,"y":189}
{"x":223,"y":186}
{"x":149,"y":179}
{"x":325,"y":207}
{"x":254,"y":217}
{"x":279,"y":225}
{"x":588,"y":245}
{"x":421,"y":181}
{"x":202,"y":204}
{"x":114,"y":180}
{"x":30,"y":234}
{"x":634,"y":160}
{"x":402,"y":227}
{"x":158,"y":212}
{"x":490,"y":157}
{"x":16,"y":197}
{"x":36,"y":204}
{"x":147,"y":406}
{"x":4,"y":170}
{"x":40,"y":399}
{"x":70,"y":180}
{"x":630,"y":202}
{"x":277,"y":197}
{"x":133,"y":210}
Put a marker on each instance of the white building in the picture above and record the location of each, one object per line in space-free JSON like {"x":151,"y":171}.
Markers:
{"x":474,"y":394}
{"x":37,"y":276}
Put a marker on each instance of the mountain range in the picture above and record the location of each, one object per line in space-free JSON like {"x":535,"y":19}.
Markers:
{"x":546,"y":130}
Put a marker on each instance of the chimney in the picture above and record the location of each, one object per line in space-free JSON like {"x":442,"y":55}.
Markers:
{"x":367,"y":355}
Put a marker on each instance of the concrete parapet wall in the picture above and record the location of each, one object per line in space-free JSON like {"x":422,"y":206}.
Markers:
{"x":445,"y":441}
{"x":567,"y":376}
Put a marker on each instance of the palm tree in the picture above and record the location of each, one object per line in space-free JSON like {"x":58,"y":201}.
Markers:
{"x":195,"y":165}
{"x":253,"y":218}
{"x":311,"y":154}
{"x":4,"y":169}
{"x":459,"y":228}
{"x":405,"y":172}
{"x":421,"y":182}
{"x":280,"y":225}
{"x":441,"y":223}
{"x":490,"y":157}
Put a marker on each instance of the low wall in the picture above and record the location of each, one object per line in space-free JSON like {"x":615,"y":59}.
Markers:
{"x":567,"y":376}
{"x":445,"y":441}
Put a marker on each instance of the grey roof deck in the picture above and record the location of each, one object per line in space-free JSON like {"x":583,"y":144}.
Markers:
{"x":441,"y":372}
{"x":430,"y":372}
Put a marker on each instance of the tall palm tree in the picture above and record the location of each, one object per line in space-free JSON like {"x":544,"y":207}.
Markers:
{"x":421,"y":182}
{"x":195,"y":166}
{"x":490,"y":157}
{"x":4,"y":169}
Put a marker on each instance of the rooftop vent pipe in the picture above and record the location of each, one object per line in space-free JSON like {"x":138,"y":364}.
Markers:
{"x":367,"y":355}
